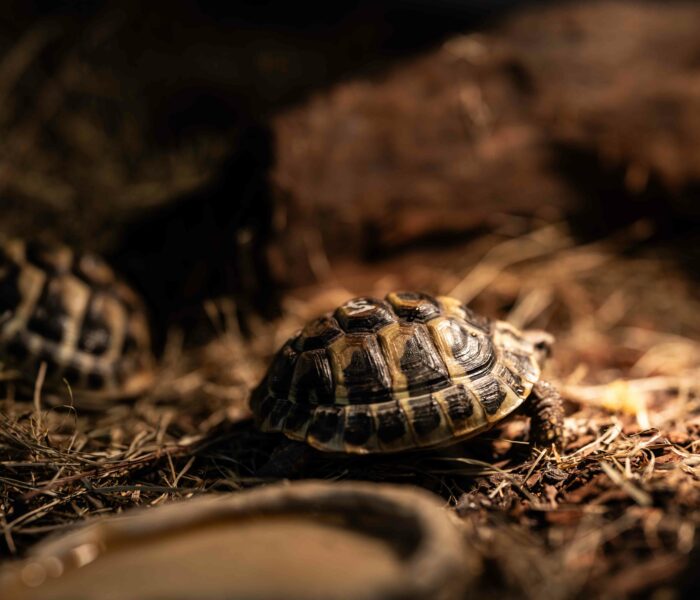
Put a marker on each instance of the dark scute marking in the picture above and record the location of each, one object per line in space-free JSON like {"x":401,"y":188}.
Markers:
{"x":130,"y":345}
{"x":264,"y":408}
{"x":414,"y":306}
{"x":282,"y":369}
{"x":391,"y":423}
{"x":359,"y":427}
{"x":17,"y":349}
{"x":49,"y":359}
{"x":363,"y":314}
{"x":72,"y":375}
{"x":297,"y":417}
{"x":522,"y":363}
{"x":489,"y":393}
{"x":50,"y":316}
{"x":10,"y":296}
{"x":95,"y":380}
{"x":511,"y":379}
{"x":94,"y":334}
{"x":313,"y":380}
{"x":318,"y":334}
{"x":425,"y":416}
{"x":280,"y":410}
{"x":365,"y":376}
{"x":421,"y":364}
{"x":324,"y":424}
{"x":458,"y":403}
{"x":477,"y":320}
{"x":35,"y":251}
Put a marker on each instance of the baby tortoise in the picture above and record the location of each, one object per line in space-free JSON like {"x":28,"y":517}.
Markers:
{"x":411,"y":371}
{"x":71,"y":312}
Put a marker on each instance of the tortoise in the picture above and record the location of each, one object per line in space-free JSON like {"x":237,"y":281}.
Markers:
{"x":410,"y":371}
{"x":71,"y":312}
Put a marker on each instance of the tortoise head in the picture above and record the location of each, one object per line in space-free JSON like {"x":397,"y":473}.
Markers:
{"x":542,"y":342}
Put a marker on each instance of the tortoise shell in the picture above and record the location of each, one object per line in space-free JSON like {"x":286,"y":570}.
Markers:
{"x":71,"y":312}
{"x":389,"y":375}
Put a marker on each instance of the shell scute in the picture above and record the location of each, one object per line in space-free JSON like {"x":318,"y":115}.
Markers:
{"x":359,"y":426}
{"x":279,"y":412}
{"x":425,"y":415}
{"x":55,"y":260}
{"x":477,"y":320}
{"x":413,"y":359}
{"x":279,"y":378}
{"x":489,"y":392}
{"x":522,"y":364}
{"x":363,"y":315}
{"x":50,"y":316}
{"x":414,"y":306}
{"x":297,"y":422}
{"x":318,"y":334}
{"x":312,"y":381}
{"x":360,"y":371}
{"x":95,"y":334}
{"x":422,"y":365}
{"x":463,"y":410}
{"x":467,"y":350}
{"x":392,"y":425}
{"x":510,"y":378}
{"x":458,"y":403}
{"x":91,"y":268}
{"x":326,"y":424}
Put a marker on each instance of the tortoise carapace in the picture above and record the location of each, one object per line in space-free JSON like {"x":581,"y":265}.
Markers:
{"x":71,"y":312}
{"x":410,"y":371}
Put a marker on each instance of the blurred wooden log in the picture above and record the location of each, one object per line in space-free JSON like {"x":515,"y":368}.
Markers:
{"x":621,"y":81}
{"x":436,"y":150}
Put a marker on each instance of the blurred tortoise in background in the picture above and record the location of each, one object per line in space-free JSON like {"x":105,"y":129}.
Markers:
{"x":73,"y":313}
{"x":411,"y":371}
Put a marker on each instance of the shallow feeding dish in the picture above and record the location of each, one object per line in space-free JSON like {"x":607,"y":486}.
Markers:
{"x":304,"y":540}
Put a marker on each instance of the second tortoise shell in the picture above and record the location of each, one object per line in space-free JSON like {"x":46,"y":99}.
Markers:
{"x":388,"y":375}
{"x":71,"y":312}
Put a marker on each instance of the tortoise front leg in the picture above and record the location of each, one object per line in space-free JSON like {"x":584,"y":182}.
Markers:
{"x":546,"y":412}
{"x":287,"y":460}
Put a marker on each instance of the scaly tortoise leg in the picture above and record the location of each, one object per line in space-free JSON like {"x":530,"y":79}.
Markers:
{"x":546,"y":412}
{"x":287,"y":460}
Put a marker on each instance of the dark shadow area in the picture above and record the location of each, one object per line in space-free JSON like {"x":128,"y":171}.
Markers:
{"x":189,"y":68}
{"x":607,"y":205}
{"x":208,"y":243}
